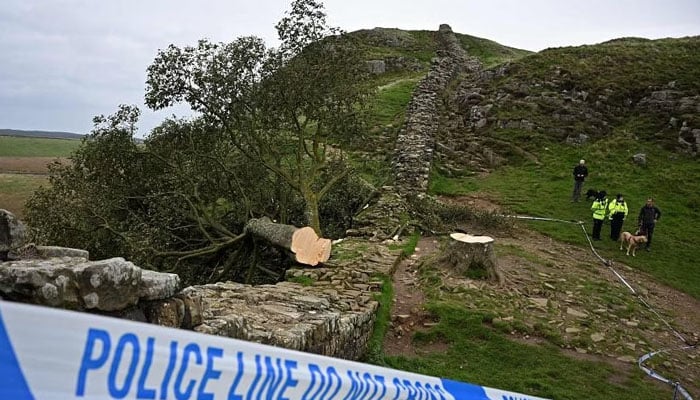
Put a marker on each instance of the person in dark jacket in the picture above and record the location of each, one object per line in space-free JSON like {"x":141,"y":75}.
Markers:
{"x":580,"y":174}
{"x":648,"y":216}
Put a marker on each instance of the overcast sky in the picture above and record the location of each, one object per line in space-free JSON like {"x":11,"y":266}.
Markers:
{"x":64,"y":61}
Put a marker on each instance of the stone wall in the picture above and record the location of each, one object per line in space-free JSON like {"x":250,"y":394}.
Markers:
{"x":383,"y":219}
{"x":329,"y":310}
{"x":416,"y":140}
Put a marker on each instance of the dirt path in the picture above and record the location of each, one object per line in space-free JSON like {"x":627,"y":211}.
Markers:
{"x":408,"y":313}
{"x":564,"y":294}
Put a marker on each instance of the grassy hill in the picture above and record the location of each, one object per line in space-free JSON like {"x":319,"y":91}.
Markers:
{"x":647,"y":88}
{"x":620,"y":79}
{"x":627,"y":96}
{"x":40,"y":134}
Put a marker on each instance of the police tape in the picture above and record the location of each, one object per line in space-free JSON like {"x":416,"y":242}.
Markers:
{"x":47,"y":353}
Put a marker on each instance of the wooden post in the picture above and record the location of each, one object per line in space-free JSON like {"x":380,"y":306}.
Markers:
{"x":473,"y":256}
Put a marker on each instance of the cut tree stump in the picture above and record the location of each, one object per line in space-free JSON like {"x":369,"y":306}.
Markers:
{"x":306,"y":246}
{"x":472,"y":256}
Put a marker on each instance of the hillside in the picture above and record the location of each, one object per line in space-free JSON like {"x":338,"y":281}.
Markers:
{"x":514,"y":130}
{"x":635,"y":87}
{"x":508,"y":133}
{"x":519,"y":100}
{"x":40,"y":134}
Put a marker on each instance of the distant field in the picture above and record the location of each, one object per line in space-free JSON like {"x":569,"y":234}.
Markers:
{"x":27,"y":165}
{"x":11,"y":146}
{"x":15,"y":189}
{"x":23,"y":161}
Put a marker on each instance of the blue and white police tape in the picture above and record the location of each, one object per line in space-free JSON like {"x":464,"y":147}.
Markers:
{"x":47,"y":353}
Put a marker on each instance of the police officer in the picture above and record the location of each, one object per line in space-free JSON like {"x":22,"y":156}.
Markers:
{"x":599,"y":208}
{"x":617,"y":212}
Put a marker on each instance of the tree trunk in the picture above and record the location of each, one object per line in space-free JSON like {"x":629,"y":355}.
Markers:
{"x":312,"y":217}
{"x":472,"y":256}
{"x":306,"y":246}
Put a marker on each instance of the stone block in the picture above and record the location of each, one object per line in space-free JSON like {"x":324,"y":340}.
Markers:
{"x":13,"y":233}
{"x":158,"y":285}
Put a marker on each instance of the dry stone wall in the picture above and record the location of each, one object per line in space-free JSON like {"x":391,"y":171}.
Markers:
{"x":332,"y":312}
{"x":383,"y":219}
{"x":329,"y":310}
{"x":416,"y":140}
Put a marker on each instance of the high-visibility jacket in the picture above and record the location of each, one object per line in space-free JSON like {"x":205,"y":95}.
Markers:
{"x":599,"y":207}
{"x":617,"y":207}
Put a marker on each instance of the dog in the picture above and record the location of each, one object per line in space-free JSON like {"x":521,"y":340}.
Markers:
{"x":632,"y":241}
{"x":591,"y":194}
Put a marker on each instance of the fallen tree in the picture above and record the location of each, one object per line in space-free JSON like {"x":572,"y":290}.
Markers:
{"x":306,"y":246}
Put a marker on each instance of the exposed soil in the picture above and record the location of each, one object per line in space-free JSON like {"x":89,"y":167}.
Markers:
{"x":408,"y":313}
{"x":563,"y":294}
{"x":28,"y":165}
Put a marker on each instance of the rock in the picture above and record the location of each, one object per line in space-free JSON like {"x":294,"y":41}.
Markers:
{"x":158,"y":285}
{"x":13,"y":233}
{"x":627,"y":359}
{"x":575,"y":313}
{"x":640,"y":159}
{"x":74,"y":283}
{"x":170,"y":312}
{"x":578,"y":140}
{"x":56,"y":251}
{"x":108,"y":285}
{"x":539,"y":302}
{"x":376,"y":67}
{"x":597,"y":337}
{"x":194,"y":309}
{"x":573,"y":330}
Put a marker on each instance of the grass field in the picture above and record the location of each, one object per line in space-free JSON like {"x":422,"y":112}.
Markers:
{"x":15,"y":189}
{"x":23,"y":161}
{"x":11,"y":146}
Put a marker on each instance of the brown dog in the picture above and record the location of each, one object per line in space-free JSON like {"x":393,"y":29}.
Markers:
{"x":632,"y":241}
